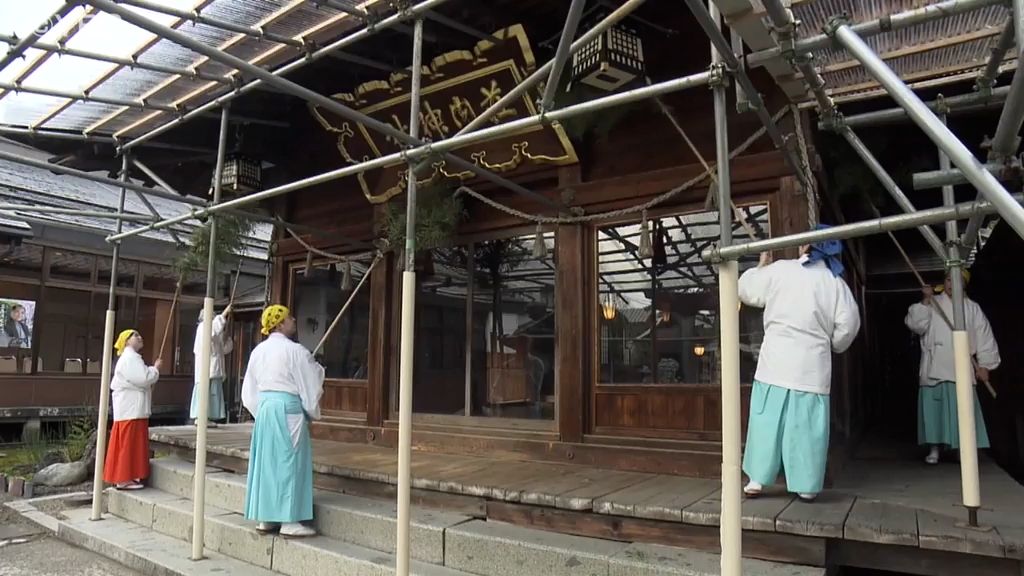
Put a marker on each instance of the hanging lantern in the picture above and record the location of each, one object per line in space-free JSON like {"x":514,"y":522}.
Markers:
{"x":698,"y":350}
{"x":611,"y":60}
{"x":242,"y":174}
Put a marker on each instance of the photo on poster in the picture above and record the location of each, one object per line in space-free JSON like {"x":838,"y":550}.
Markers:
{"x":17,"y":322}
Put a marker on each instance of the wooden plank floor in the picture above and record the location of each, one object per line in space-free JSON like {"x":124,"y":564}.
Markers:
{"x":877,"y":502}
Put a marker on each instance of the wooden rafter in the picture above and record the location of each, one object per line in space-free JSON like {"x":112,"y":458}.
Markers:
{"x":919,"y":48}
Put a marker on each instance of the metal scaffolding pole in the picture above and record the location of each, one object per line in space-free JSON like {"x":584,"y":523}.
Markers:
{"x":415,"y":154}
{"x":855,"y":230}
{"x":203,"y":393}
{"x":105,"y":371}
{"x":986,"y":80}
{"x":890,"y":185}
{"x":384,"y":24}
{"x":964,"y":103}
{"x":572,"y":21}
{"x":1007,"y":138}
{"x":22,"y":45}
{"x":79,"y":137}
{"x":714,"y":33}
{"x":408,"y":334}
{"x":126,"y":216}
{"x":86,"y":97}
{"x":731,"y":527}
{"x":306,"y":94}
{"x":892,"y":22}
{"x":259,"y":33}
{"x":1004,"y":171}
{"x":64,"y":50}
{"x":1010,"y":210}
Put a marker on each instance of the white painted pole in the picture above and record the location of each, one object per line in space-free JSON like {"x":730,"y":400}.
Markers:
{"x":405,"y":371}
{"x":104,"y":412}
{"x":731,"y":528}
{"x":108,"y":359}
{"x":202,"y":409}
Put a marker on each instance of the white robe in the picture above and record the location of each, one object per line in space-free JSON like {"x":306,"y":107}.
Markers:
{"x":278,"y":364}
{"x":220,"y":345}
{"x":937,"y":362}
{"x":808,"y":314}
{"x":131,"y":386}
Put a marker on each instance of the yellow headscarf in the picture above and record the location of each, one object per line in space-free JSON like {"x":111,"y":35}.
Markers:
{"x":963,"y":272}
{"x":122,"y":340}
{"x":272,"y":317}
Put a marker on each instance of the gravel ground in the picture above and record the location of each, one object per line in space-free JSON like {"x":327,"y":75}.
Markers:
{"x":25,"y":551}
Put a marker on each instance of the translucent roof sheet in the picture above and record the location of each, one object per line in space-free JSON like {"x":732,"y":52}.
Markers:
{"x":93,"y":31}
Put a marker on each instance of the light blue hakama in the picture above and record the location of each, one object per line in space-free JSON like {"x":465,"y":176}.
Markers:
{"x":215,"y":408}
{"x":279,"y":487}
{"x":937,"y":417}
{"x":787,"y":429}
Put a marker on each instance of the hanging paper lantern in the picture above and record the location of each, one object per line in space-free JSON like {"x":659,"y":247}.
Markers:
{"x":611,"y":60}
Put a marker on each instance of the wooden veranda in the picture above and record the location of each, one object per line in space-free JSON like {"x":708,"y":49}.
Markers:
{"x":882,"y":512}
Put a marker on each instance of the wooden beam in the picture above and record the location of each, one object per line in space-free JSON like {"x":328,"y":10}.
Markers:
{"x":919,"y":48}
{"x":914,"y":77}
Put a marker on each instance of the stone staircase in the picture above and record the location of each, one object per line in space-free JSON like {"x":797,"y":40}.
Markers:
{"x":150,"y":530}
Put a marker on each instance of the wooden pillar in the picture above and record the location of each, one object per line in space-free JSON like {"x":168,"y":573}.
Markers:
{"x":570,"y":338}
{"x":380,"y":334}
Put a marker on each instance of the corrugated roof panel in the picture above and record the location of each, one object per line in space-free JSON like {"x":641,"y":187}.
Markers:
{"x":918,"y":52}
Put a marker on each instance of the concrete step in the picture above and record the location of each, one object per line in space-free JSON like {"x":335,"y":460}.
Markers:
{"x":230,"y":535}
{"x":361,"y":521}
{"x":496,"y":549}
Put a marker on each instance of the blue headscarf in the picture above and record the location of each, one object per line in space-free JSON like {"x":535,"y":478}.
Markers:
{"x":828,"y":251}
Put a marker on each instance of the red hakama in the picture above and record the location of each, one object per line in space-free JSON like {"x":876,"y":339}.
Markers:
{"x":128,"y":452}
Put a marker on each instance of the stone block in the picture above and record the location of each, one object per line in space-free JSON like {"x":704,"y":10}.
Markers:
{"x":226,"y":490}
{"x":29,"y":489}
{"x":136,"y":506}
{"x":373,"y":524}
{"x":657,"y":560}
{"x":234,"y":536}
{"x":322,"y":556}
{"x":496,"y":549}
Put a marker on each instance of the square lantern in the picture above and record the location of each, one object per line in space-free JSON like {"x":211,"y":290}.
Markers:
{"x":241,"y":174}
{"x":611,"y":60}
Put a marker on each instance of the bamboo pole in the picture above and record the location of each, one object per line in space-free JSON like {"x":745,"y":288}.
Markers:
{"x":351,"y":298}
{"x":170,"y":320}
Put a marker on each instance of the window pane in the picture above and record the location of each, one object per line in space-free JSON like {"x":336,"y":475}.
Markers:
{"x":513,"y":329}
{"x":659,"y":316}
{"x":25,"y":261}
{"x":188,"y":323}
{"x":509,"y":333}
{"x":158,"y":278}
{"x":126,"y":272}
{"x":316,"y":300}
{"x":65,"y":331}
{"x":71,"y":266}
{"x":440,"y":363}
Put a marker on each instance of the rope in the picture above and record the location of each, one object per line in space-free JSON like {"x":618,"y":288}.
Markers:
{"x":613,"y":214}
{"x":314,"y":250}
{"x":805,"y":159}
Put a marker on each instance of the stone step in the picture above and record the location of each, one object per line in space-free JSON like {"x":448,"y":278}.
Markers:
{"x":228,"y":534}
{"x":362,"y":521}
{"x":144,"y":550}
{"x":497,"y":549}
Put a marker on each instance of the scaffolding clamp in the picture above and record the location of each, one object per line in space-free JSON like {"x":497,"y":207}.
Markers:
{"x":718,"y":75}
{"x":941,"y":106}
{"x":834,"y":23}
{"x":833,"y":120}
